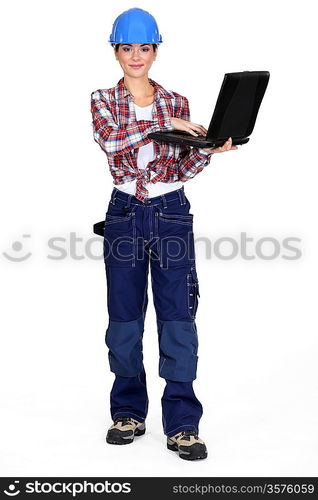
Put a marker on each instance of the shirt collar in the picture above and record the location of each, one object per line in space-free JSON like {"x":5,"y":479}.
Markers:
{"x":122,"y":90}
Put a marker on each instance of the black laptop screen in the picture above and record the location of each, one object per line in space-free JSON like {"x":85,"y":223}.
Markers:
{"x":238,"y":103}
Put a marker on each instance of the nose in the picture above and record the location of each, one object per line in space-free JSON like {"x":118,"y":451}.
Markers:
{"x":135,"y":55}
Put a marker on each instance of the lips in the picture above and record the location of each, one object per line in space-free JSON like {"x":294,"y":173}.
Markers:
{"x":136,"y":66}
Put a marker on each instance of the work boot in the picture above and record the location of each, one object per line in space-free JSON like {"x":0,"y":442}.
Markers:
{"x":188,"y":444}
{"x":124,"y":429}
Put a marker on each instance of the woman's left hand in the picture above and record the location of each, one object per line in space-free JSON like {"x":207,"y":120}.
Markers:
{"x":227,"y":146}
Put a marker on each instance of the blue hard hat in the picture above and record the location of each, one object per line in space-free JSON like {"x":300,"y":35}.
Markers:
{"x":135,"y":26}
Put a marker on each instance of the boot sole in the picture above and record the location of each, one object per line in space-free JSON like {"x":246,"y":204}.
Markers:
{"x":115,"y":438}
{"x":197,"y":454}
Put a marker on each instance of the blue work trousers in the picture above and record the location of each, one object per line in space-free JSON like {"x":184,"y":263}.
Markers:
{"x":158,"y":234}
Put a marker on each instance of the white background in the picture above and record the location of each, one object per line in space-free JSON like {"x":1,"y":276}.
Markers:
{"x":257,"y":319}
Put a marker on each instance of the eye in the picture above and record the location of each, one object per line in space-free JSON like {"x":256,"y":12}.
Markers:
{"x":145,"y":49}
{"x":125,"y":49}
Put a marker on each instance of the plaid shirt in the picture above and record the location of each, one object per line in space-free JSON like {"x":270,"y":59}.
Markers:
{"x":120,"y":136}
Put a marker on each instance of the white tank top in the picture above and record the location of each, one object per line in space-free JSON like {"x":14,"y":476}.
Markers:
{"x":145,"y":155}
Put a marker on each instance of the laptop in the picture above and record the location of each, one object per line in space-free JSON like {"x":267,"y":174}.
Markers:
{"x":234,"y":114}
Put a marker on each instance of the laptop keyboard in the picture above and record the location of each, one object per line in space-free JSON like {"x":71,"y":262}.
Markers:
{"x":185,"y":134}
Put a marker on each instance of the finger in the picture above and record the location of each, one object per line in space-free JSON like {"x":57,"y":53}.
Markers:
{"x":229,"y":141}
{"x":227,"y":145}
{"x":198,"y":128}
{"x":224,"y":148}
{"x":229,"y":148}
{"x":192,"y":132}
{"x":204,"y":130}
{"x":197,"y":125}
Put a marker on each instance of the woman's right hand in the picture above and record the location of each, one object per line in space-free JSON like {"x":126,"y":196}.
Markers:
{"x":185,"y":126}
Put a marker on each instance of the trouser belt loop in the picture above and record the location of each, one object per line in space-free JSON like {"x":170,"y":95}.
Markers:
{"x":128,"y":201}
{"x":164,"y":201}
{"x":182,"y":196}
{"x":113,"y":196}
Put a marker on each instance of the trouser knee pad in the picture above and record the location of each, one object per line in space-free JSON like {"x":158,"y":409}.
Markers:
{"x":178,"y":346}
{"x":124,"y":341}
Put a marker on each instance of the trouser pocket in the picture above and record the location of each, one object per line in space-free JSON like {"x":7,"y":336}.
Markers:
{"x":175,"y":239}
{"x":119,"y":240}
{"x":192,"y":292}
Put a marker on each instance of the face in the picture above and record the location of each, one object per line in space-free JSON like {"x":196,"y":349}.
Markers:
{"x":135,"y":59}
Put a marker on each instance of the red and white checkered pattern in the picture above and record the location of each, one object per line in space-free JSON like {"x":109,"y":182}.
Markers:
{"x":119,"y":135}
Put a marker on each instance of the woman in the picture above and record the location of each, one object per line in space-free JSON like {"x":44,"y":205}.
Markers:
{"x":148,"y":223}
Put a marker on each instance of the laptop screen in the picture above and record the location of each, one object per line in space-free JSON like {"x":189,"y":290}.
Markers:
{"x":238,"y":103}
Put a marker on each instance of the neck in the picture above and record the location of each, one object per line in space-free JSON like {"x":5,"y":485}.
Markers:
{"x":139,"y":87}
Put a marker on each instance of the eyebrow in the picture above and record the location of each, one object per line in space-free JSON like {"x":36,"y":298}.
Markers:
{"x":130,"y":44}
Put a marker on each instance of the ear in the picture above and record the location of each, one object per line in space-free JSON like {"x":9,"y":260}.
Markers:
{"x":115,"y":53}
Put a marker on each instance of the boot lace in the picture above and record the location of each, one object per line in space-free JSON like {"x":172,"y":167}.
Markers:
{"x":124,"y":421}
{"x":186,"y":435}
